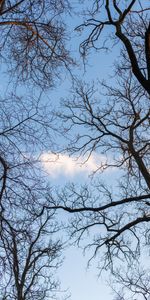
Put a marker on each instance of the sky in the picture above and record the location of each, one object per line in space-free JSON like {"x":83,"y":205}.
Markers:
{"x":83,"y":283}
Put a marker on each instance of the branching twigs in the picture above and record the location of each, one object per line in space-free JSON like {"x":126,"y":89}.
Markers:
{"x":29,"y":257}
{"x":111,"y":122}
{"x":119,"y":25}
{"x":34,"y":33}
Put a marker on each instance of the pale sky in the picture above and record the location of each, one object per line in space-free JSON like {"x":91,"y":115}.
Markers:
{"x":83,"y":284}
{"x":67,"y":166}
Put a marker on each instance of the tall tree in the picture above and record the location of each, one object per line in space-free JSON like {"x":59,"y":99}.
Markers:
{"x":113,"y":120}
{"x":30,"y":255}
{"x":32,"y":51}
{"x":30,"y":246}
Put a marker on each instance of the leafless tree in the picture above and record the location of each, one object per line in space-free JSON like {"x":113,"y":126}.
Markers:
{"x":29,"y":257}
{"x":130,"y":24}
{"x":25,"y":125}
{"x":33,"y":51}
{"x":132,"y":283}
{"x":113,"y":120}
{"x":30,"y":246}
{"x":33,"y":38}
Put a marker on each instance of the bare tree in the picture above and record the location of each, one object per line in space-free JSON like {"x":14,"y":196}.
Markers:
{"x":33,"y":40}
{"x":131,"y":26}
{"x":23,"y":137}
{"x":131,"y":283}
{"x":33,"y":51}
{"x":113,"y":120}
{"x":30,"y":246}
{"x":29,"y":257}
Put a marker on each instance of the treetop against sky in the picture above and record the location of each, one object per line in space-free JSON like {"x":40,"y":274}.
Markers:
{"x":102,"y":126}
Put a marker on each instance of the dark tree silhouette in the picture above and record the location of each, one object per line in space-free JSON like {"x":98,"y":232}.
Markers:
{"x":32,"y":51}
{"x":30,"y":247}
{"x":131,"y":282}
{"x":33,"y":40}
{"x":29,"y":257}
{"x":129,"y":24}
{"x":113,"y":120}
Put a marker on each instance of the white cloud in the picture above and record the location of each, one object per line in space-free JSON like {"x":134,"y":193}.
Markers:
{"x":62,"y":164}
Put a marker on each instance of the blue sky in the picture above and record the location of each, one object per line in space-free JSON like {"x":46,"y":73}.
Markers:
{"x":82,"y":283}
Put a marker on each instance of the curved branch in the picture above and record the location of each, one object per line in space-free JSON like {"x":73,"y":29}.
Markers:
{"x":3,"y":177}
{"x":100,"y":208}
{"x":134,"y":63}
